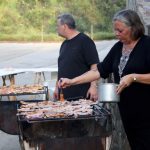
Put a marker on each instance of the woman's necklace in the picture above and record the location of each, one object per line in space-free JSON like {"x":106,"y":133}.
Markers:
{"x":126,"y":51}
{"x":124,"y":59}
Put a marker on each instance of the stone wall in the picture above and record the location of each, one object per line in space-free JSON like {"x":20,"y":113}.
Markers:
{"x":143,"y":9}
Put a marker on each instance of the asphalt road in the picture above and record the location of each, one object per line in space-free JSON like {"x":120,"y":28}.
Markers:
{"x":29,"y":55}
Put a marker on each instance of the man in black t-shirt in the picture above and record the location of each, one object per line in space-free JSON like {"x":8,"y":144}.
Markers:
{"x":77,"y":55}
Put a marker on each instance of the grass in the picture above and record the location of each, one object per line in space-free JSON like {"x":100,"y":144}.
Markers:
{"x":104,"y":36}
{"x":38,"y":37}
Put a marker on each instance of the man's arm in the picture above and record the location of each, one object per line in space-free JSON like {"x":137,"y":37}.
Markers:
{"x":92,"y":92}
{"x":94,"y":83}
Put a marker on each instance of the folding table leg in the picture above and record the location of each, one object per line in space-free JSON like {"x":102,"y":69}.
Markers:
{"x":39,"y":78}
{"x":4,"y":80}
{"x":12,"y":82}
{"x":11,"y":79}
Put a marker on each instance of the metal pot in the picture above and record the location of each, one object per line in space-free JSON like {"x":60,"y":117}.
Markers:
{"x":107,"y":92}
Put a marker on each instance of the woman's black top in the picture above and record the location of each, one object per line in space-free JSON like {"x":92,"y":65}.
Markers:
{"x":76,"y":57}
{"x":134,"y":100}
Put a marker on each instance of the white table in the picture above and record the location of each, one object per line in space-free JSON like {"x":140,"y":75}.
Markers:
{"x":9,"y":73}
{"x":40,"y":73}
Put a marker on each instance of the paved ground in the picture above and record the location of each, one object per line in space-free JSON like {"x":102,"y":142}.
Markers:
{"x":29,"y":55}
{"x":8,"y":142}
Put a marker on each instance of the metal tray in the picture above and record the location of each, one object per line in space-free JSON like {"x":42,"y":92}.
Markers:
{"x":44,"y":91}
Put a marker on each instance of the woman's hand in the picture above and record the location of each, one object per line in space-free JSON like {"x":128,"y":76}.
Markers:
{"x":64,"y":82}
{"x":125,"y":82}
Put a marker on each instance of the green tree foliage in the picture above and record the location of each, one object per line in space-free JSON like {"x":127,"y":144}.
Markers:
{"x":107,"y":9}
{"x":85,"y":13}
{"x":9,"y":17}
{"x":36,"y":16}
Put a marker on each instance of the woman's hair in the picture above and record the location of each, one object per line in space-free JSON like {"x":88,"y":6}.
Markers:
{"x":68,"y":20}
{"x":131,"y":19}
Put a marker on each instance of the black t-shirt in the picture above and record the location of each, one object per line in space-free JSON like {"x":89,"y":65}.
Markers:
{"x":75,"y":58}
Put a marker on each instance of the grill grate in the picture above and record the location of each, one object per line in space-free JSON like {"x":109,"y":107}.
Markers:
{"x":98,"y":113}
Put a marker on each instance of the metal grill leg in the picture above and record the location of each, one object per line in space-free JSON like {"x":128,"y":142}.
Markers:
{"x":108,"y":142}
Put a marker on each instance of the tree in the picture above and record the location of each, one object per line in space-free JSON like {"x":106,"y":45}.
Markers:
{"x":39,"y":16}
{"x":107,"y":9}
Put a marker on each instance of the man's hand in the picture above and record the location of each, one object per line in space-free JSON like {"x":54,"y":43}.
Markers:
{"x":92,"y":93}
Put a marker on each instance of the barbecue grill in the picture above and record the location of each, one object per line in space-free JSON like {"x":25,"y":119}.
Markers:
{"x":8,"y":110}
{"x":44,"y":91}
{"x":66,"y":133}
{"x":8,"y":119}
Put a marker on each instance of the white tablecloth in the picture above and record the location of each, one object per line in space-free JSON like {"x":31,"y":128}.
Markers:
{"x":11,"y":71}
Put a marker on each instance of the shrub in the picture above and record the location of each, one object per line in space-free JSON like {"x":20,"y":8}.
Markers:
{"x":103,"y":36}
